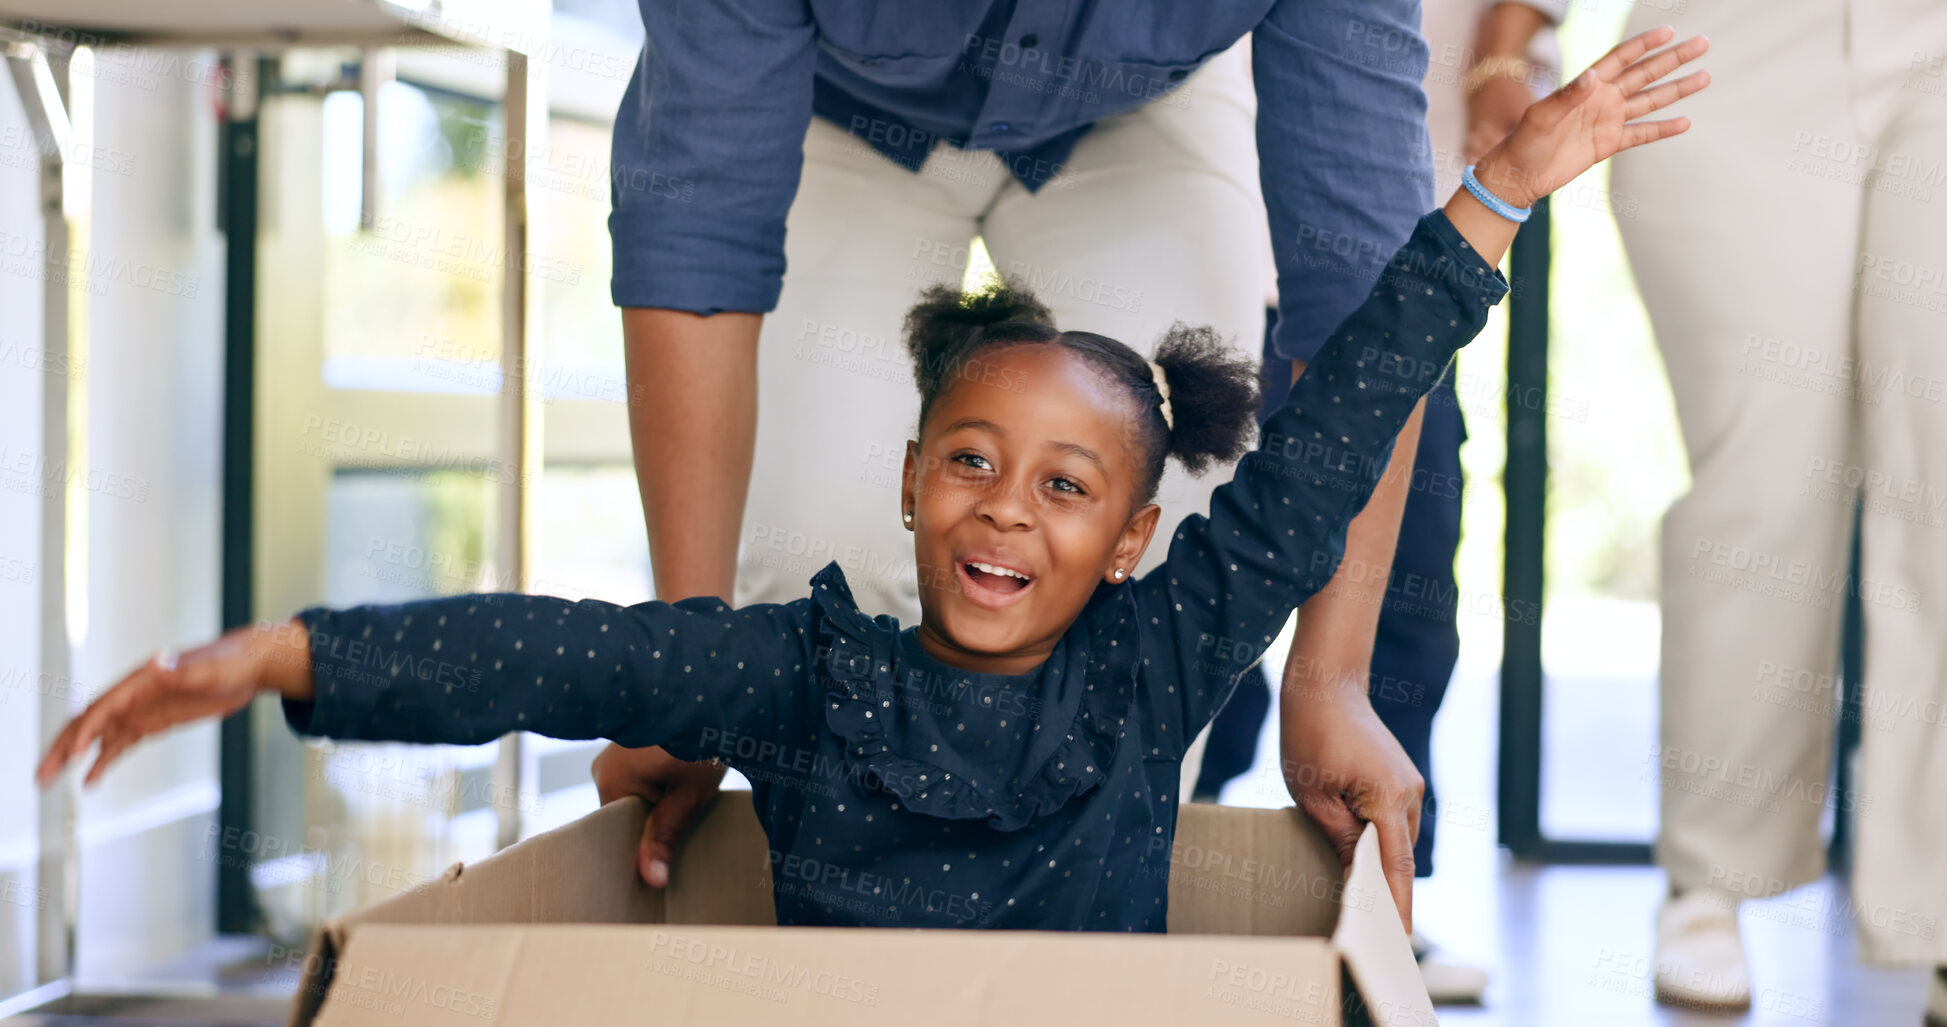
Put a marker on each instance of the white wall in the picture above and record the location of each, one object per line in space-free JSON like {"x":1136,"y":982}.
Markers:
{"x":154,"y":417}
{"x":150,"y":438}
{"x":21,"y":382}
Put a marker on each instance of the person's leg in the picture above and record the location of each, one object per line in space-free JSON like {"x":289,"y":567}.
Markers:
{"x":1754,"y":340}
{"x":1743,"y":250}
{"x":1155,"y":219}
{"x":835,"y":386}
{"x":1901,"y":291}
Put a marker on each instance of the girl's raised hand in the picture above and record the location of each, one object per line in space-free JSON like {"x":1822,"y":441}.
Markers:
{"x":213,"y":681}
{"x":1594,"y":117}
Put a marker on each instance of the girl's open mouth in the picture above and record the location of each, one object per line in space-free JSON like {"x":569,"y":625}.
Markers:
{"x":991,"y":585}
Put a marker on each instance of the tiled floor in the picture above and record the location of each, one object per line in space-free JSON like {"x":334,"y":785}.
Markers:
{"x":1572,"y":945}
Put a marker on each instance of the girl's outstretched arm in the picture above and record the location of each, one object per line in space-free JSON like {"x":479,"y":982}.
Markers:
{"x":1577,"y":127}
{"x":695,"y":676}
{"x":1276,"y":532}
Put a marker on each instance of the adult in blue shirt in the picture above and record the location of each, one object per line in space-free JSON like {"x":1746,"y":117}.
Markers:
{"x":820,"y":160}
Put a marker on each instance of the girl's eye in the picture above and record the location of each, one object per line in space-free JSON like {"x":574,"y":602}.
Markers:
{"x":973,"y":460}
{"x":1065,"y":485}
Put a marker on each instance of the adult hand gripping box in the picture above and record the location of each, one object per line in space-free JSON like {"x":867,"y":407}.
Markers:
{"x":1264,"y":928}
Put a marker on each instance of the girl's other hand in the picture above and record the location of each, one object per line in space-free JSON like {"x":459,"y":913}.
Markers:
{"x":1594,"y":117}
{"x":213,"y":681}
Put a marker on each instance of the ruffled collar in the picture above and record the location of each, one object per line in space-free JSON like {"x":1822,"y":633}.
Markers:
{"x":965,"y":745}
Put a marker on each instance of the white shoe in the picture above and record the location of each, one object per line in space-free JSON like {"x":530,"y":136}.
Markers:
{"x":1448,"y":983}
{"x":1699,"y":956}
{"x":1937,"y":998}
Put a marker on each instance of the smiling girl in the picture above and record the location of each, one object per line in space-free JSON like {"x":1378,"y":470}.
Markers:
{"x":1010,"y":761}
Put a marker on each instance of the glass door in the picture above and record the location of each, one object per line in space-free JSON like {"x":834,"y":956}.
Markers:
{"x":382,"y":383}
{"x":379,"y":458}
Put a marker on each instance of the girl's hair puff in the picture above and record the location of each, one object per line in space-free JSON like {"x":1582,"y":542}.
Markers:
{"x":1213,"y":389}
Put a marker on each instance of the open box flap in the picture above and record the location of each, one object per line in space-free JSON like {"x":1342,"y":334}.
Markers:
{"x":1378,"y":955}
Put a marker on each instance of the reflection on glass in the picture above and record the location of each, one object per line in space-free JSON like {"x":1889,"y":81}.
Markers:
{"x":395,"y":537}
{"x":589,"y":541}
{"x":411,"y":305}
{"x":412,"y":301}
{"x":382,"y":818}
{"x":584,"y":331}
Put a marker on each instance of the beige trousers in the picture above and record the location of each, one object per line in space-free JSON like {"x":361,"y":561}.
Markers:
{"x":1156,"y":218}
{"x":1792,"y":251}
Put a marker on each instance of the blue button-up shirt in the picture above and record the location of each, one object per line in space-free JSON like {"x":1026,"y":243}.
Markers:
{"x":709,"y":138}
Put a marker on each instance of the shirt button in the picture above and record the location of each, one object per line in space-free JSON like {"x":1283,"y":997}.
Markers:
{"x":1028,"y":41}
{"x":1000,"y":126}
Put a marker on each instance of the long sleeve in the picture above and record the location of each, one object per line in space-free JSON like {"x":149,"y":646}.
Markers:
{"x":469,"y":669}
{"x":1276,"y":532}
{"x":709,"y":145}
{"x":1343,"y":153}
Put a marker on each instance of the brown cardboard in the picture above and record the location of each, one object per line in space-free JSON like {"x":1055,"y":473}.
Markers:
{"x":1263,"y":928}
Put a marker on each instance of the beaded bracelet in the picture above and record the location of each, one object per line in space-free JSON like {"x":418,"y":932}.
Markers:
{"x":1491,"y":201}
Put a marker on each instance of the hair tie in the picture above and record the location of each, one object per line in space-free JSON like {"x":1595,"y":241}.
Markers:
{"x":1163,"y":388}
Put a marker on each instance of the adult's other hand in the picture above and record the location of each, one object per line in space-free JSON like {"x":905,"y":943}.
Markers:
{"x":676,"y":792}
{"x":1345,"y":769}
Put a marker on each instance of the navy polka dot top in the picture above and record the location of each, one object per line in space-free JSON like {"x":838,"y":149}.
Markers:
{"x":897,"y":791}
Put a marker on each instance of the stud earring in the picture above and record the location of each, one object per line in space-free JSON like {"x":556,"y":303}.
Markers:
{"x":909,"y":517}
{"x":1118,"y":573}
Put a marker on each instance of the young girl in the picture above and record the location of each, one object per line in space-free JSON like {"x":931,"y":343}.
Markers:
{"x":1012,"y":760}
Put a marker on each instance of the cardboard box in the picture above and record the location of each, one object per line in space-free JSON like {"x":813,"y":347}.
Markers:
{"x":1264,"y":928}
